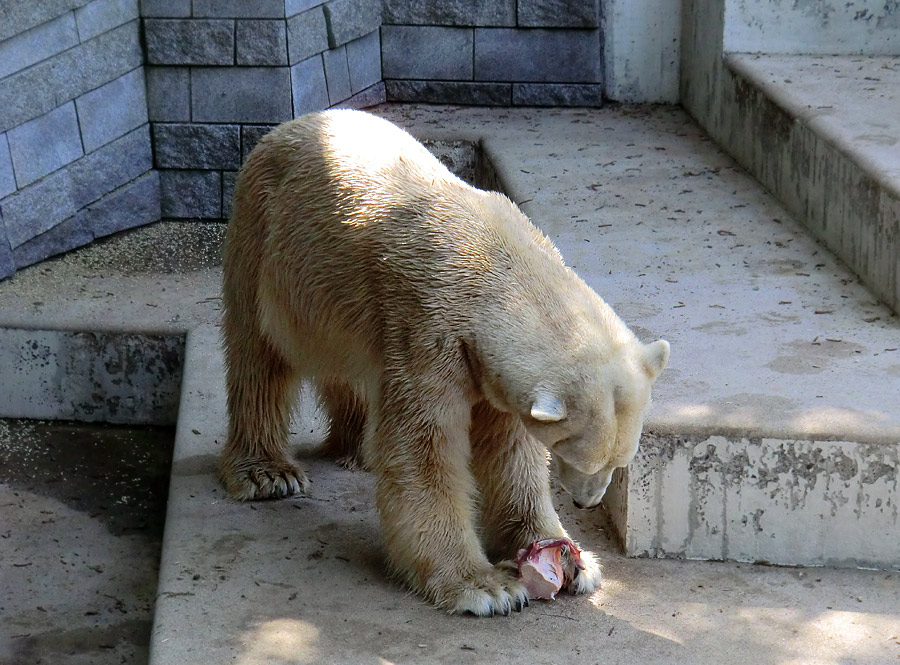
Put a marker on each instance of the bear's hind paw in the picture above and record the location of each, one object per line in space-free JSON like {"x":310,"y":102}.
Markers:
{"x":259,"y":479}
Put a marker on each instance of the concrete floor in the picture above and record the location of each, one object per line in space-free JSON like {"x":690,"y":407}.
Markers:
{"x":685,"y":246}
{"x":83,"y":509}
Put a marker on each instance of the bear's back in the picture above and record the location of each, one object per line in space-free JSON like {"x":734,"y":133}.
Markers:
{"x":354,"y":151}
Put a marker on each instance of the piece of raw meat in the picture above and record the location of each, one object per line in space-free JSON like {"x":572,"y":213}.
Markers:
{"x":546,"y":565}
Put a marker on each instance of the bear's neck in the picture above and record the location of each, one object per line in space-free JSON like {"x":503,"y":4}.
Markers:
{"x":547,"y":342}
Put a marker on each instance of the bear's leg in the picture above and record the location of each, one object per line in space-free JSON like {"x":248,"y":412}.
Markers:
{"x":261,"y":389}
{"x":511,"y":469}
{"x":347,"y":422}
{"x":425,"y":497}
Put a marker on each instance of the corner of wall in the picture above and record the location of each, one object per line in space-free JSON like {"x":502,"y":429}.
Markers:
{"x":642,"y":50}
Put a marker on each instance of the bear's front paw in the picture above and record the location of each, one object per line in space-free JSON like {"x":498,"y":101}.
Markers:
{"x":488,"y":592}
{"x":586,"y":580}
{"x":258,"y":478}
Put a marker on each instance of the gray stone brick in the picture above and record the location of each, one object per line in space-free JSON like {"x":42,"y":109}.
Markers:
{"x":558,"y":13}
{"x":111,"y":166}
{"x":168,"y":94}
{"x":97,"y":61}
{"x":364,"y":61}
{"x":351,"y":19}
{"x":461,"y":13}
{"x":112,"y":110}
{"x":39,"y":43}
{"x":542,"y":56}
{"x":165,"y":8}
{"x":7,"y":263}
{"x":101,"y":15}
{"x":292,"y":7}
{"x":134,"y":204}
{"x":190,"y":194}
{"x":337,"y":75}
{"x":239,"y":8}
{"x":371,"y":96}
{"x":27,"y":95}
{"x":240,"y":94}
{"x":192,"y":146}
{"x":261,"y":42}
{"x":449,"y":92}
{"x":65,"y":236}
{"x":38,"y":208}
{"x":228,"y":179}
{"x":557,"y":94}
{"x":189,"y":41}
{"x":7,"y":179}
{"x":440,"y":53}
{"x":307,"y":35}
{"x":250,"y":136}
{"x":45,"y":144}
{"x":310,"y":91}
{"x":46,"y":85}
{"x":17,"y":17}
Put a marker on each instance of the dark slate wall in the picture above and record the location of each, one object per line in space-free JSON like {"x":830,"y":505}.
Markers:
{"x":493,"y":52}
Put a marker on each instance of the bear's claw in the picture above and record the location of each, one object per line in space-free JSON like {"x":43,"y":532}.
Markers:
{"x":257,"y":479}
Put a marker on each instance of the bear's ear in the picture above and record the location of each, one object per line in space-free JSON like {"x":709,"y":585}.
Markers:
{"x":656,"y":355}
{"x":547,"y":408}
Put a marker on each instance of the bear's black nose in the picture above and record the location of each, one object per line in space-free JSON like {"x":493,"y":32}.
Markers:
{"x":577,"y":505}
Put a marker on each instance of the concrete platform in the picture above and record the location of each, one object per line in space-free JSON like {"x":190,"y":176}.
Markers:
{"x":775,"y":343}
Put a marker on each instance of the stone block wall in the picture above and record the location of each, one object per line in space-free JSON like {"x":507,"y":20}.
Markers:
{"x":221,"y":73}
{"x":493,"y":52}
{"x":75,"y":152}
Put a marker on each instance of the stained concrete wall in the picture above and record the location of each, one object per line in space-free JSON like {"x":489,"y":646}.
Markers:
{"x":641,"y":53}
{"x":792,"y":502}
{"x":812,"y":27}
{"x":91,"y":376}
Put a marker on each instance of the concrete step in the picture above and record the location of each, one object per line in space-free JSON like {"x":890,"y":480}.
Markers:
{"x":823,"y":134}
{"x":772,"y":428}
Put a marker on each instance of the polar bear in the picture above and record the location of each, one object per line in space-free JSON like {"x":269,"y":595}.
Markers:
{"x":449,"y":342}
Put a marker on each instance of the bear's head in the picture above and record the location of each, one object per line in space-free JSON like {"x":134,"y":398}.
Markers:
{"x":593,"y":426}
